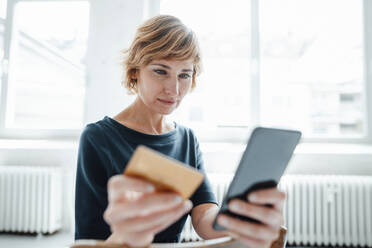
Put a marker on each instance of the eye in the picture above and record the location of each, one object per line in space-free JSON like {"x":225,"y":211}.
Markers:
{"x":160,"y":72}
{"x":185,"y":76}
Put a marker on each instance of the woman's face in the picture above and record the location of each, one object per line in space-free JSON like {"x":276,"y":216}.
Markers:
{"x":162,"y":84}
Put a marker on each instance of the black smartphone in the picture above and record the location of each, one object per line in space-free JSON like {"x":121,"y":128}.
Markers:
{"x":263,"y":163}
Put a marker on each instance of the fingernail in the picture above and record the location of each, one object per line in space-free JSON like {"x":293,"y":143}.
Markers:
{"x":252,"y":197}
{"x":150,"y":188}
{"x":234,"y":206}
{"x":187,"y":205}
{"x":223,"y":221}
{"x":178,"y":199}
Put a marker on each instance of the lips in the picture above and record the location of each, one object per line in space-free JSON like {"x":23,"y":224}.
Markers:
{"x":167,"y":102}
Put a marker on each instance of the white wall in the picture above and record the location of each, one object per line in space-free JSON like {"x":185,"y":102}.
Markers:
{"x":112,"y":27}
{"x":336,"y":159}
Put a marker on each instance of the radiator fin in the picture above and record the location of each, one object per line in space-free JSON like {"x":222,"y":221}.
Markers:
{"x":30,"y":199}
{"x":328,"y":210}
{"x":320,"y":210}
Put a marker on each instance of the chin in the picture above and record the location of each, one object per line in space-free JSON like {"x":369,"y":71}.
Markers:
{"x":165,"y":112}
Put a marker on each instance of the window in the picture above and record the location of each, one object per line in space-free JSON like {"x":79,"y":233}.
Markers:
{"x":225,"y":39}
{"x":294,"y":63}
{"x":2,"y":31}
{"x":312,"y":66}
{"x":2,"y":28}
{"x":44,"y":87}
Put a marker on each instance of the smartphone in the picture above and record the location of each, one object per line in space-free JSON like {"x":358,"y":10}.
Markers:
{"x":264,"y":161}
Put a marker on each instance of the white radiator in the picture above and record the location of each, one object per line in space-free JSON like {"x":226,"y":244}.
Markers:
{"x":30,"y":199}
{"x":328,"y":210}
{"x":319,"y":210}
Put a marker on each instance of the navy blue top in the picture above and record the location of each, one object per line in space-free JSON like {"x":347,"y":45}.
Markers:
{"x":104,"y":150}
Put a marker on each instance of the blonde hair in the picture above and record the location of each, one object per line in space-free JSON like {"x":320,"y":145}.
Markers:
{"x":160,"y":37}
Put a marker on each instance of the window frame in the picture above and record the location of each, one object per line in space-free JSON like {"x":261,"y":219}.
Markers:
{"x":228,"y":134}
{"x":19,"y":133}
{"x":215,"y":134}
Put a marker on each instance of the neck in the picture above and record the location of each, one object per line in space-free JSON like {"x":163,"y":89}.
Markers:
{"x":146,"y":120}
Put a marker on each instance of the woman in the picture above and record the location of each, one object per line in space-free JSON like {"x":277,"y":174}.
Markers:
{"x":160,"y":67}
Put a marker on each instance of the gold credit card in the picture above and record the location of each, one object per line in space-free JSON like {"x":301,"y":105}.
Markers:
{"x":165,"y":173}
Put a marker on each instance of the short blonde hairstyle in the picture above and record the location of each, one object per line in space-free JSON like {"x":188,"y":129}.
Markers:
{"x":160,"y":37}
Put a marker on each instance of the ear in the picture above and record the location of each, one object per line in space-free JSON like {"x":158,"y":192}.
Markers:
{"x":134,"y":74}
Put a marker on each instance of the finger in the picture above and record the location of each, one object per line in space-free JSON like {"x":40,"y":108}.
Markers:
{"x":251,"y":242}
{"x":119,"y":185}
{"x":163,"y":226}
{"x":268,"y":196}
{"x":160,"y":219}
{"x":248,"y":229}
{"x":152,"y":203}
{"x":266,"y":215}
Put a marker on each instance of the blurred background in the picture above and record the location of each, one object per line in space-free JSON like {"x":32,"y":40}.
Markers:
{"x":296,"y":64}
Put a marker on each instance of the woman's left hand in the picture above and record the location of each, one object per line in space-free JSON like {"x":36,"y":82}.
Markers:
{"x":256,"y":234}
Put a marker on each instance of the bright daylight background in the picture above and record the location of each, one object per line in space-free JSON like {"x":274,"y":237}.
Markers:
{"x":306,"y":72}
{"x":310,"y":61}
{"x":301,"y":64}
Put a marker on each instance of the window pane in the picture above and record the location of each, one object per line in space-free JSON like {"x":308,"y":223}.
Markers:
{"x":3,"y":4}
{"x":2,"y":29}
{"x":47,"y":75}
{"x":312,"y":66}
{"x":222,"y":90}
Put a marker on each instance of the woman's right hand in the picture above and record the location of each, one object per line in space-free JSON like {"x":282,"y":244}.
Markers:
{"x":136,"y":212}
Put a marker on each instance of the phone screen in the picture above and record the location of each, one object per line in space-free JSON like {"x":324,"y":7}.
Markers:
{"x":263,"y":163}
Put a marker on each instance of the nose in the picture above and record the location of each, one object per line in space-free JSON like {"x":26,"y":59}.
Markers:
{"x":172,"y":87}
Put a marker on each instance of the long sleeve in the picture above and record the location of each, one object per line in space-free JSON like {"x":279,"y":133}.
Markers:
{"x":204,"y":194}
{"x":91,"y":186}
